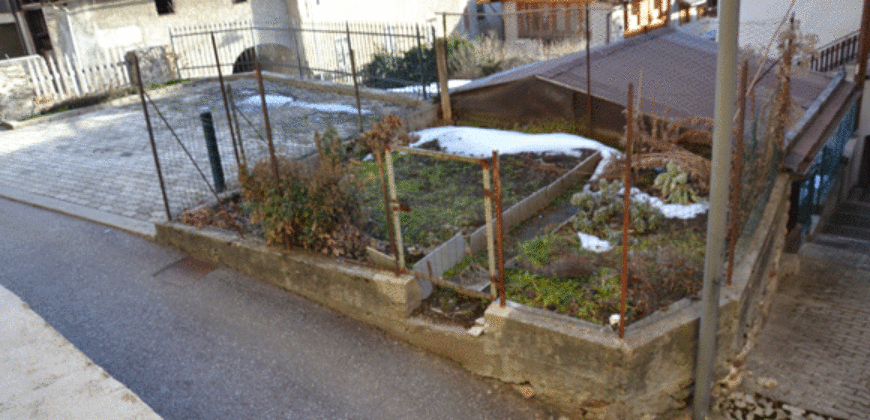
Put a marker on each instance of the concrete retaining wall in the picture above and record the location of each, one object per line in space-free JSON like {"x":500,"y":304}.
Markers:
{"x":580,"y":367}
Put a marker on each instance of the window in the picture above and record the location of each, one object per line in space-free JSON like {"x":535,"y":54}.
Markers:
{"x":164,"y":7}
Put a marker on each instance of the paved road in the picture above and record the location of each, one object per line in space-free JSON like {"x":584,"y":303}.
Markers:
{"x":224,"y":345}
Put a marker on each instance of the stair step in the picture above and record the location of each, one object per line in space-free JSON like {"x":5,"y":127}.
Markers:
{"x":860,"y":220}
{"x":836,"y":241}
{"x":853,"y":232}
{"x":854,"y":207}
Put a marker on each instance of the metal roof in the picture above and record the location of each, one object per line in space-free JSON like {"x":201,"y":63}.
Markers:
{"x":679,"y":72}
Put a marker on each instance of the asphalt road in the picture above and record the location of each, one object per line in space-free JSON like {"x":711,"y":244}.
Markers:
{"x":225,"y":346}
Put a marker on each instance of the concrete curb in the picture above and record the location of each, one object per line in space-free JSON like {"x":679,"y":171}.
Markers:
{"x":137,"y":227}
{"x":47,"y":377}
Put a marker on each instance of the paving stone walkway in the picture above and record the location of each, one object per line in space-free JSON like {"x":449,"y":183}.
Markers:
{"x":812,"y":360}
{"x":103,"y":160}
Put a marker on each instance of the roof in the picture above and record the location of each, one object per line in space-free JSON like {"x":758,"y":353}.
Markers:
{"x":671,"y":67}
{"x":678,"y":71}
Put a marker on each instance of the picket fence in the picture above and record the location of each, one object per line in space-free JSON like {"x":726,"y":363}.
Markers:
{"x":57,"y":77}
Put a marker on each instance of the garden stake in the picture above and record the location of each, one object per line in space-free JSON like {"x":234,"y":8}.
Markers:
{"x":151,"y":135}
{"x":626,"y":209}
{"x":490,"y":244}
{"x":237,"y":125}
{"x":379,"y":156}
{"x":590,"y":127}
{"x":266,"y":119}
{"x":394,"y":208}
{"x":737,"y":174}
{"x":217,"y":62}
{"x":353,"y":73}
{"x":499,"y":227}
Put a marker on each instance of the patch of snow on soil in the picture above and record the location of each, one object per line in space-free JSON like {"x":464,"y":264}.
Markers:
{"x":592,"y":243}
{"x":671,"y":211}
{"x":280,"y":100}
{"x":480,"y":142}
{"x":432,"y":88}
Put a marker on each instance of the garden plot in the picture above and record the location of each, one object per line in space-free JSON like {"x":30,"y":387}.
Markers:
{"x":567,"y":259}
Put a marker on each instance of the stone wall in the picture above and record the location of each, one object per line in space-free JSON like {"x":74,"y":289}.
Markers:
{"x":585,"y":369}
{"x":17,"y":97}
{"x":156,"y":63}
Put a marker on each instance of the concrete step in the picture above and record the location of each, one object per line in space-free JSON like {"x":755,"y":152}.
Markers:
{"x":854,"y":207}
{"x":852,"y":232}
{"x":849,"y":219}
{"x":842,"y":242}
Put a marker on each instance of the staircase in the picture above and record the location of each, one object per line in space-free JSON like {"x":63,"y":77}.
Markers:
{"x":849,"y":227}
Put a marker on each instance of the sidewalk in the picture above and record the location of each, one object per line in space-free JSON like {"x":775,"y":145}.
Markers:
{"x":46,"y":377}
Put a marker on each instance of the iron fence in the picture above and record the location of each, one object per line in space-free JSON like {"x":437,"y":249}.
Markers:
{"x":386,"y":55}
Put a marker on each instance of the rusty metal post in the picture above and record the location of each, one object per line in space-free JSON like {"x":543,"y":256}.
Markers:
{"x":420,"y":60}
{"x":590,"y":124}
{"x":737,"y":174}
{"x":266,"y":119}
{"x":490,"y":240}
{"x":441,"y":64}
{"x":394,"y":209}
{"x":626,"y":208}
{"x":863,"y":51}
{"x":355,"y":82}
{"x":217,"y":62}
{"x":135,"y":60}
{"x":389,"y":220}
{"x":499,"y":226}
{"x":238,"y":127}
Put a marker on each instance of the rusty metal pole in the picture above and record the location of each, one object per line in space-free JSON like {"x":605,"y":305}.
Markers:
{"x":490,"y":240}
{"x":355,"y":82}
{"x":394,"y":208}
{"x":135,"y":60}
{"x":737,"y":175}
{"x":863,"y":49}
{"x":626,"y":208}
{"x":590,"y":124}
{"x":420,"y":60}
{"x":238,"y":127}
{"x":387,"y":208}
{"x":266,"y":119}
{"x":499,"y":226}
{"x":217,"y":62}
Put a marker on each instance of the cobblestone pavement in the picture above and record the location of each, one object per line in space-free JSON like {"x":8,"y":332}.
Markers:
{"x":812,"y":360}
{"x":103,"y":160}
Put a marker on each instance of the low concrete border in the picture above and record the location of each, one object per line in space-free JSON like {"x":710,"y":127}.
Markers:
{"x":580,"y":367}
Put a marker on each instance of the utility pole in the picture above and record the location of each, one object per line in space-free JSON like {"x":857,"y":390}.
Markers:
{"x":714,"y":258}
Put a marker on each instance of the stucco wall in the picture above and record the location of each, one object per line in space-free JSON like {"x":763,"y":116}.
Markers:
{"x":17,"y":97}
{"x":86,"y":27}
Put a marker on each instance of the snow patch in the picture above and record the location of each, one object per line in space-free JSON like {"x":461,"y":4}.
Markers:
{"x":431,"y":89}
{"x":280,"y":100}
{"x":592,"y":243}
{"x":671,"y":211}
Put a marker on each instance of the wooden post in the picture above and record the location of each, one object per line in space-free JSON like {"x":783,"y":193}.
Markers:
{"x":490,"y":240}
{"x":441,"y":61}
{"x":394,"y":209}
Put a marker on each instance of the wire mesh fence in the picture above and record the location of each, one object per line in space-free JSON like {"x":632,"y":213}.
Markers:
{"x":387,"y":55}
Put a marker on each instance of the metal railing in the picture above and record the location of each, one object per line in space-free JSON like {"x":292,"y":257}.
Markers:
{"x":836,"y":53}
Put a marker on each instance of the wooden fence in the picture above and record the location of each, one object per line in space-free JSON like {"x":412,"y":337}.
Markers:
{"x":59,"y":76}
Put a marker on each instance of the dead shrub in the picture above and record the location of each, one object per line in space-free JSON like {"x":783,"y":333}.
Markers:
{"x":314,"y":206}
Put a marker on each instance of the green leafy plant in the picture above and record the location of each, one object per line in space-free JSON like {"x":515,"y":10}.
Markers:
{"x":537,"y":250}
{"x":599,"y":213}
{"x":389,"y":71}
{"x":674,"y":186}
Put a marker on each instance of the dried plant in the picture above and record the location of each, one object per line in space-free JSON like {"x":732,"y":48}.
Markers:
{"x":386,"y":132}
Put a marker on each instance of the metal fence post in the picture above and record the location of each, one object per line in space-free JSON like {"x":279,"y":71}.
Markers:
{"x":626,"y":208}
{"x":499,"y":227}
{"x":394,"y":209}
{"x":238,"y":126}
{"x":135,"y":60}
{"x":266,"y":119}
{"x":214,"y":157}
{"x":353,"y":74}
{"x":217,"y":62}
{"x":420,"y":60}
